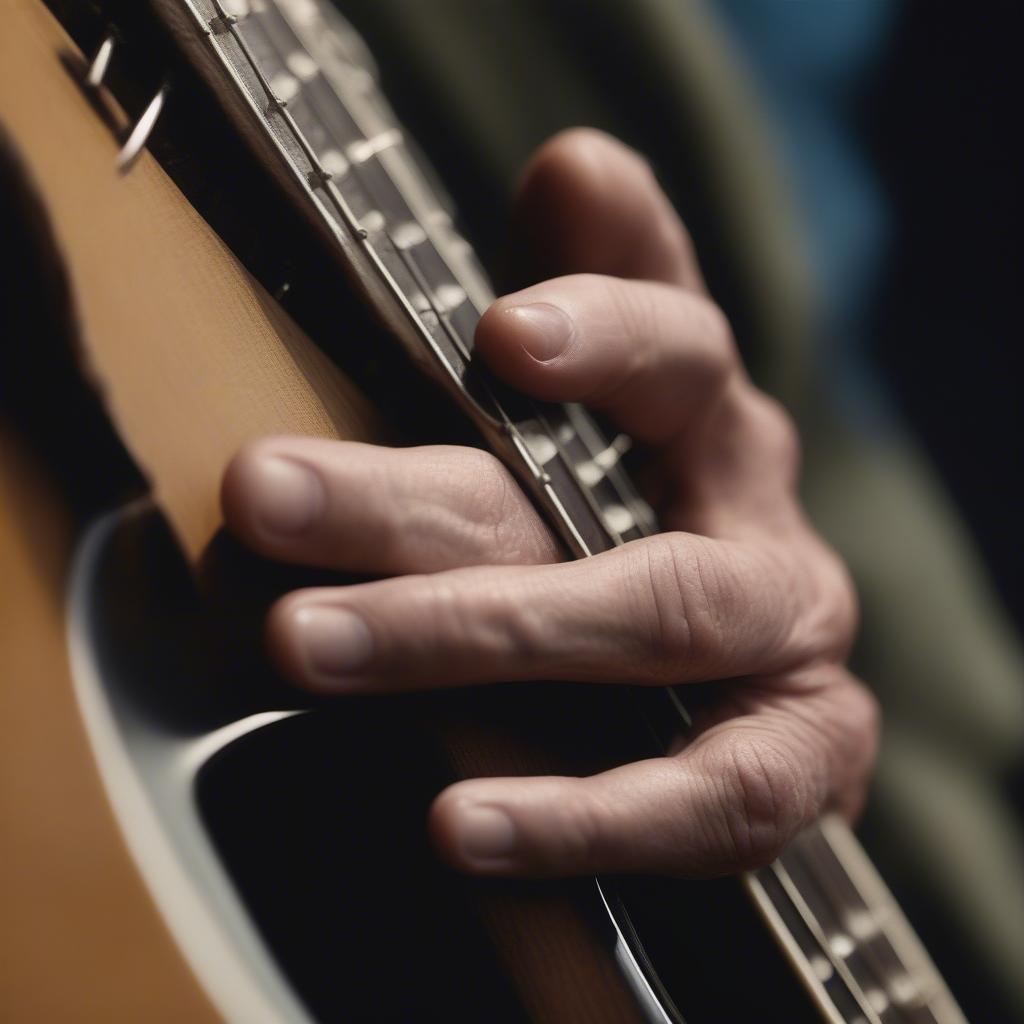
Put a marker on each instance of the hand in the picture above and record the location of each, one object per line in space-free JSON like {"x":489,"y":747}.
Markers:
{"x":739,"y":588}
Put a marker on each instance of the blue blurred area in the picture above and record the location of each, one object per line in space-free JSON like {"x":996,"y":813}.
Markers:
{"x":812,"y":63}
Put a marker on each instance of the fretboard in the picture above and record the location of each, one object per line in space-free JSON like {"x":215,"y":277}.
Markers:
{"x":310,"y":87}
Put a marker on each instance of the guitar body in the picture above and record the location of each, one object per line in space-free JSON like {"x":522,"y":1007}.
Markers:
{"x":157,"y":300}
{"x":185,"y":838}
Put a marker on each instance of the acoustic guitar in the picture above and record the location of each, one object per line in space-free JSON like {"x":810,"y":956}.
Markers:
{"x":183,"y":840}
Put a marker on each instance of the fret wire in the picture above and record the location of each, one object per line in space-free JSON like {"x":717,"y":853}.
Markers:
{"x":614,"y":540}
{"x":352,"y":105}
{"x":615,"y":477}
{"x":628,"y":499}
{"x":828,"y":989}
{"x":582,"y":432}
{"x":865,"y":877}
{"x":444,"y":322}
{"x":587,"y":549}
{"x":587,"y":431}
{"x":921,"y":974}
{"x":339,"y":201}
{"x":877,"y":975}
{"x":417,"y":274}
{"x":838,"y":963}
{"x":818,"y":860}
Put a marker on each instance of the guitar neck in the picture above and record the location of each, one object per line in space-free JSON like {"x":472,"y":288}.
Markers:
{"x":310,"y":88}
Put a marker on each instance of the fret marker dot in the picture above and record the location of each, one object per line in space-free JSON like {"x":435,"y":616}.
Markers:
{"x":408,"y":235}
{"x":450,"y":296}
{"x":842,"y":945}
{"x":301,"y":65}
{"x":334,"y":162}
{"x":284,"y":86}
{"x":362,"y":149}
{"x":619,"y":518}
{"x":541,"y":447}
{"x":877,"y":1000}
{"x":862,"y":925}
{"x":902,"y":990}
{"x":822,"y":967}
{"x":565,"y":433}
{"x":303,"y":11}
{"x":373,"y":220}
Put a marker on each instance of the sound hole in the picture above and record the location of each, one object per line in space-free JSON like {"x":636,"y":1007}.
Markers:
{"x":320,"y":822}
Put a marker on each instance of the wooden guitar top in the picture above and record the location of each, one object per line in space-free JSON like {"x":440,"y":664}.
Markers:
{"x":159,"y":299}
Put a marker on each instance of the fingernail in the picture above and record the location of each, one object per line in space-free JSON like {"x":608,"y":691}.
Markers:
{"x":334,"y":643}
{"x":288,"y":498}
{"x":486,"y":833}
{"x":546,"y":330}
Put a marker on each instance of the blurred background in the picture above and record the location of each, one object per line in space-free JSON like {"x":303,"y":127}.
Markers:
{"x":847,"y":170}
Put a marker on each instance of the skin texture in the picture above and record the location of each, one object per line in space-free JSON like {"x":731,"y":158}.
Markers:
{"x":738,"y":588}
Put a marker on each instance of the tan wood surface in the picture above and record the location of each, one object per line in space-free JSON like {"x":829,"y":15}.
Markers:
{"x":192,"y":358}
{"x":191,"y":354}
{"x":80,"y":939}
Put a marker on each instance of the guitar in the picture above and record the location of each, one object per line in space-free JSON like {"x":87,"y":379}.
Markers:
{"x":281,"y":915}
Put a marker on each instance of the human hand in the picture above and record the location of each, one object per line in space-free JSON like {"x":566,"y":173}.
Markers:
{"x":739,"y":588}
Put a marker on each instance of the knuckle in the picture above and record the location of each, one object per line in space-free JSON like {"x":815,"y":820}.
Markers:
{"x":680,"y":597}
{"x":505,"y":527}
{"x":475,"y":513}
{"x":487,"y":486}
{"x":762,"y":799}
{"x":440,"y":614}
{"x":455,"y":612}
{"x":483,"y":625}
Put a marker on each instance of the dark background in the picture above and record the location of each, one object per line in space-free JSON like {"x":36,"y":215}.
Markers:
{"x":943,"y":124}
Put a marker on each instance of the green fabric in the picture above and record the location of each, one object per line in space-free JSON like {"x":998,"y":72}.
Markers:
{"x":935,"y":644}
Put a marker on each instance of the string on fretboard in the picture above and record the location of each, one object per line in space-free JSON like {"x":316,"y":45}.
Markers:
{"x":312,"y":88}
{"x":364,"y":179}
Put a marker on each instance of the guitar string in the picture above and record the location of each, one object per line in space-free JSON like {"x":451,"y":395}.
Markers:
{"x":856,"y":922}
{"x":626,"y":494}
{"x":226,"y":23}
{"x":356,"y":169}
